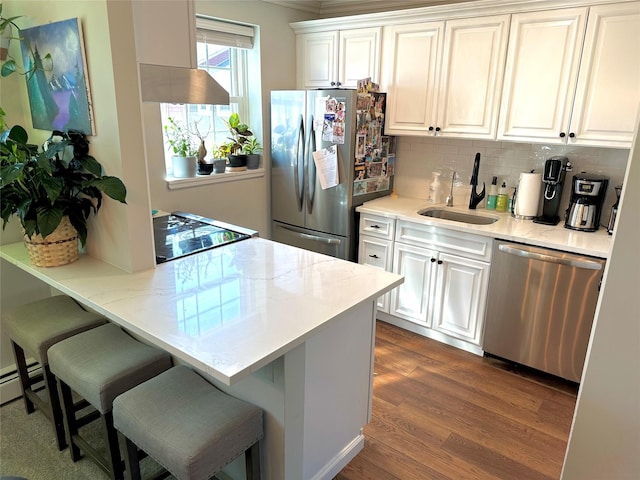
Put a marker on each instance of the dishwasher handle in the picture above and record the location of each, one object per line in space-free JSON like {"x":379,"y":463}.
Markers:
{"x":578,"y":262}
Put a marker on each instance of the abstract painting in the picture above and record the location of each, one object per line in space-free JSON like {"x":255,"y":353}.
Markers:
{"x":59,"y":95}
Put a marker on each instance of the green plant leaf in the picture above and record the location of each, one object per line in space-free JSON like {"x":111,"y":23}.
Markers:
{"x":8,"y":68}
{"x":91,"y":165}
{"x":111,"y":186}
{"x":48,"y":220}
{"x":234,"y":120}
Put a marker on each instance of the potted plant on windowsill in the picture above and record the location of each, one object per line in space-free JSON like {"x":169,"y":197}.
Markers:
{"x":240,"y":134}
{"x":220,"y":154}
{"x":252,"y":149}
{"x":180,"y":140}
{"x":52,"y":189}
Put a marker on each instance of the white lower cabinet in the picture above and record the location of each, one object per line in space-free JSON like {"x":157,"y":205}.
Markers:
{"x":460,"y":295}
{"x":412,"y":299}
{"x":446,"y":278}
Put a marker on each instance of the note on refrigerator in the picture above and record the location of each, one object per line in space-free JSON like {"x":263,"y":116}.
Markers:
{"x":326,"y":161}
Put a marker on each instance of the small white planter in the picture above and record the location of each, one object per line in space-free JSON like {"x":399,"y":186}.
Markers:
{"x":184,"y":167}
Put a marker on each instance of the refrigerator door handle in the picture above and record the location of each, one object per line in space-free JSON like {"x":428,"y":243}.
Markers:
{"x":577,"y":262}
{"x":311,"y":147}
{"x":316,"y":238}
{"x":330,"y":241}
{"x":299,"y":164}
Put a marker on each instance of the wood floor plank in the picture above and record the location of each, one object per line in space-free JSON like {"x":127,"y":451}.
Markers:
{"x":440,"y":413}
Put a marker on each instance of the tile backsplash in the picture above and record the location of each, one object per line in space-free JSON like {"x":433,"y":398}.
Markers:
{"x":417,"y":157}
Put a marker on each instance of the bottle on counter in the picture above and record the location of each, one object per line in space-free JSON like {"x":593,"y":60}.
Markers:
{"x":493,"y":194}
{"x":501,"y":201}
{"x":512,"y":200}
{"x":434,"y":189}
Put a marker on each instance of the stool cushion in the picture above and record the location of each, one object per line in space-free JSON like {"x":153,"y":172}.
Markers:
{"x":102,"y":363}
{"x":37,"y":325}
{"x":186,"y":424}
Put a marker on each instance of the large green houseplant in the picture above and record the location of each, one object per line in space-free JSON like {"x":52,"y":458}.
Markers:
{"x":42,"y":185}
{"x":240,"y":134}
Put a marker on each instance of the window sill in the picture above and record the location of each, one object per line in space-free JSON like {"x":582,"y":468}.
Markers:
{"x":178,"y":183}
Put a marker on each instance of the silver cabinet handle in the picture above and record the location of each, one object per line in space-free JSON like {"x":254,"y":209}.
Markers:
{"x":578,"y":262}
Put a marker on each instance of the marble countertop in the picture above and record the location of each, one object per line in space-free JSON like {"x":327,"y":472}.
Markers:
{"x":597,"y":244}
{"x":228,"y":311}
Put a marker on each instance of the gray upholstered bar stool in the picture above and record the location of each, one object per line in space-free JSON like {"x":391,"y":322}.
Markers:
{"x":99,"y":365}
{"x":33,"y":328}
{"x":188,"y":426}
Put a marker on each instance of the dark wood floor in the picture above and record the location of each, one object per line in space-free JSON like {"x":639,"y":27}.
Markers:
{"x":441,"y":413}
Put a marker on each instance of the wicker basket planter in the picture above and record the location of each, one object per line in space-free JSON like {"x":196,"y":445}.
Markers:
{"x":59,"y":248}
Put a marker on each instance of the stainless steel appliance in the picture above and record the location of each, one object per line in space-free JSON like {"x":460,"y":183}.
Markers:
{"x":541,"y":306}
{"x":614,"y":211}
{"x":304,"y":214}
{"x":180,"y":234}
{"x":553,"y":180}
{"x":585,"y":205}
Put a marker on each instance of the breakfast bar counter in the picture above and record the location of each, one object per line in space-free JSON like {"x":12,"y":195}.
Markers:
{"x":272,"y":324}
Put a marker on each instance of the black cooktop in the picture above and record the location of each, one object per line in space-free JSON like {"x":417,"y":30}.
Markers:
{"x":181,"y":234}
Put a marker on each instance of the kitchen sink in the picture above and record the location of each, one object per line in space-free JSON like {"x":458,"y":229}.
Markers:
{"x":457,"y":216}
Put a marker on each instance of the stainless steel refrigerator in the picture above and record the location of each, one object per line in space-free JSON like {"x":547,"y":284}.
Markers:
{"x":302,"y":122}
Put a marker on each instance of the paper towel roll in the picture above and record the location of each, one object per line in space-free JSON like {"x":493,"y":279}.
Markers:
{"x":528,"y":195}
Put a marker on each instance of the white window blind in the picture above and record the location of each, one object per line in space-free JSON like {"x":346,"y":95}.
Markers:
{"x":218,"y":32}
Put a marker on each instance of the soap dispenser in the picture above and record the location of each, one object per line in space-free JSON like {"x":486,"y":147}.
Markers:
{"x":502,"y":200}
{"x":493,"y":194}
{"x":434,"y":189}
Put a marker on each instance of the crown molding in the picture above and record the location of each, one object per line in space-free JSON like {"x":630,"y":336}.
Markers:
{"x":335,"y":8}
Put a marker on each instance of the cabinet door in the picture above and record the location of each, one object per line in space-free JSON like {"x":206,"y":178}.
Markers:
{"x":471,"y":77}
{"x":540,"y":76}
{"x":411,"y":300}
{"x":359,"y":56}
{"x":317,"y":59}
{"x":608,"y":92}
{"x":460,"y":297}
{"x":410,"y":62}
{"x":377,"y":253}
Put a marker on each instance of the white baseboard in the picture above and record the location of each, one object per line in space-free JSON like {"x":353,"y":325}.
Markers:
{"x":348,"y":453}
{"x":9,"y":382}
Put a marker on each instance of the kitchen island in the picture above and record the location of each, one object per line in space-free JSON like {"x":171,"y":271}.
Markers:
{"x":289,"y":330}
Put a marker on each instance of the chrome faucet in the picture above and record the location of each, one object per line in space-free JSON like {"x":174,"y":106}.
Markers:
{"x":476,"y":197}
{"x":450,"y":197}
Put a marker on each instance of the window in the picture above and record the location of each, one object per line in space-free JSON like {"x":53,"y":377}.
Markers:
{"x":221,"y":51}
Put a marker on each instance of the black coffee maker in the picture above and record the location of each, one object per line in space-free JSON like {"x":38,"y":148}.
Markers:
{"x":553,"y":180}
{"x":585,"y":205}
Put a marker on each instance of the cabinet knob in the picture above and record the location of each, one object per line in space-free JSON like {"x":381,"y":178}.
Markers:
{"x":339,"y":83}
{"x":562,"y":134}
{"x":375,"y":226}
{"x":437,"y":129}
{"x":333,"y":84}
{"x":374,"y":256}
{"x":572,"y":135}
{"x":431,"y":129}
{"x":440,"y":262}
{"x":433,"y":260}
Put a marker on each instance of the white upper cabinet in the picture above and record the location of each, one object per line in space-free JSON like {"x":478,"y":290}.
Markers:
{"x":608,"y":91}
{"x":445,"y":78}
{"x":411,"y":66}
{"x":558,"y":90}
{"x":338,"y":58}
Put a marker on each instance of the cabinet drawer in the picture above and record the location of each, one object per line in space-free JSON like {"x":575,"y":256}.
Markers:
{"x":375,"y":252}
{"x":444,"y":240}
{"x":377,"y":226}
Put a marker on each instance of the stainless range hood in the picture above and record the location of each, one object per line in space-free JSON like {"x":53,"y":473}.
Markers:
{"x":164,"y":84}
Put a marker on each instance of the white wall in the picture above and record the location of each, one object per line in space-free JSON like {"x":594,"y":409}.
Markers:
{"x":605,"y":436}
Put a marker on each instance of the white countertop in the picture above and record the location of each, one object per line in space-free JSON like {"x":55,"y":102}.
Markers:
{"x":227,"y":311}
{"x":597,"y":244}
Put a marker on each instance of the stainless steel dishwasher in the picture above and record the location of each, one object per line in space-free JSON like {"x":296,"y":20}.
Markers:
{"x":541,"y":306}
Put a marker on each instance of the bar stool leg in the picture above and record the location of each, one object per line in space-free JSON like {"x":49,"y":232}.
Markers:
{"x":70,"y":419}
{"x":252,"y":461}
{"x":113,"y":450}
{"x":131,"y":460}
{"x":54,"y":404}
{"x":23,"y":374}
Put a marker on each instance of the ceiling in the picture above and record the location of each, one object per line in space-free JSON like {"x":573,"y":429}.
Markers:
{"x":338,"y":8}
